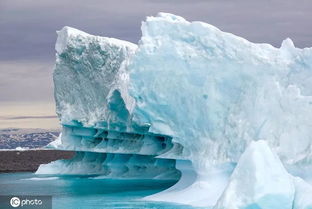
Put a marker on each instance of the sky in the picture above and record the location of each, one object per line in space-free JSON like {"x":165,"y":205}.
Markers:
{"x":28,"y":34}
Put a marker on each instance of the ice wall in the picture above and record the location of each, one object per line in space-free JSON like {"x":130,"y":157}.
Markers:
{"x":94,"y":107}
{"x":88,"y":75}
{"x":214,"y":92}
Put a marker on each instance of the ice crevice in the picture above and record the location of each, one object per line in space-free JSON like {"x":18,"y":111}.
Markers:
{"x":189,"y":102}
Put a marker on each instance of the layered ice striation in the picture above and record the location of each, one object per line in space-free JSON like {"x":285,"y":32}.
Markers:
{"x":114,"y":166}
{"x":188,"y":97}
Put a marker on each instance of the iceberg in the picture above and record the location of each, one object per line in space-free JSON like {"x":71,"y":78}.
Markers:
{"x":185,"y":103}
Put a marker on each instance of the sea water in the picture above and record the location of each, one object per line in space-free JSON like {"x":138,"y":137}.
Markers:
{"x":87,"y":192}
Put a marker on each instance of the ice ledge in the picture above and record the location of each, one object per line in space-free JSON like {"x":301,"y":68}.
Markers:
{"x":63,"y":36}
{"x":67,"y":33}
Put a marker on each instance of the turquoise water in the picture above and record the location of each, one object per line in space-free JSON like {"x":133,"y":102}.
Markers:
{"x":81,"y":192}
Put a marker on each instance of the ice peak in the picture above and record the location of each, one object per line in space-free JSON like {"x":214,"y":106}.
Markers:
{"x":260,"y":180}
{"x":288,"y":44}
{"x":63,"y":35}
{"x":170,"y":17}
{"x":260,"y":156}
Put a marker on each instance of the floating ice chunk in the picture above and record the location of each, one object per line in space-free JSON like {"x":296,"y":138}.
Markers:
{"x":21,"y":148}
{"x":259,"y":181}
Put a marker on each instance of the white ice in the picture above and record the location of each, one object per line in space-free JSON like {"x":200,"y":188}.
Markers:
{"x":215,"y":92}
{"x":258,"y":181}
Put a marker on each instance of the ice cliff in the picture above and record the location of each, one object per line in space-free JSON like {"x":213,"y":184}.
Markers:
{"x":187,"y":101}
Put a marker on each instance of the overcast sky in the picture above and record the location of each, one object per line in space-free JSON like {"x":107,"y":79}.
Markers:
{"x":27,"y":31}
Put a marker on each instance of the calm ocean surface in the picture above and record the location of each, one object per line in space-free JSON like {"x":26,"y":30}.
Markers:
{"x":86,"y":192}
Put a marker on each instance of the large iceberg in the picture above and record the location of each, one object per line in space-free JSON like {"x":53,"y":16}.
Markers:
{"x":186,"y":101}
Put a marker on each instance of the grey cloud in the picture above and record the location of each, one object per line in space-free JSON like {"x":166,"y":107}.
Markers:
{"x":26,"y":81}
{"x":27,"y":30}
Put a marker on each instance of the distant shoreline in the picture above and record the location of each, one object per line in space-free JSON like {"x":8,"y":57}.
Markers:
{"x":29,"y":160}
